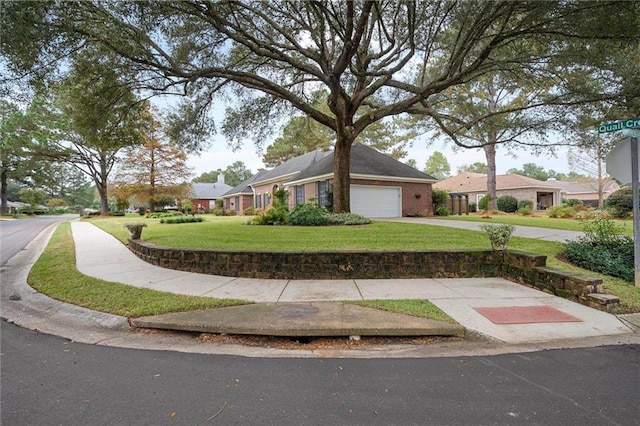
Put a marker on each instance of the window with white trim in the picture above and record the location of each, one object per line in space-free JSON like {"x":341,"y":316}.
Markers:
{"x":300,"y":194}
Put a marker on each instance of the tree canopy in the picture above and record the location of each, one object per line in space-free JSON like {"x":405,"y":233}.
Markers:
{"x":438,"y":166}
{"x":376,"y":60}
{"x":234,"y":174}
{"x":154,"y":171}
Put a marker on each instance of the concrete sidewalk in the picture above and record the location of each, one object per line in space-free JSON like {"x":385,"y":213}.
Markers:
{"x":493,"y":307}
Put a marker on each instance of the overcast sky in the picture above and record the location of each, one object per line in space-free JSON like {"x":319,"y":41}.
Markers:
{"x":219,"y":156}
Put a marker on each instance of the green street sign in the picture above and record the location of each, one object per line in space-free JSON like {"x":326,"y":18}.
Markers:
{"x":615,"y":126}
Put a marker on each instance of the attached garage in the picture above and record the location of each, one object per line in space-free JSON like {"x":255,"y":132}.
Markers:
{"x":376,"y":201}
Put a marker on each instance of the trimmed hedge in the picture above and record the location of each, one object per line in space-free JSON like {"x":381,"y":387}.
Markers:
{"x":181,"y":219}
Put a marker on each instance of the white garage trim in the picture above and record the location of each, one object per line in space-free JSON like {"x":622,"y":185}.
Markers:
{"x":376,"y":201}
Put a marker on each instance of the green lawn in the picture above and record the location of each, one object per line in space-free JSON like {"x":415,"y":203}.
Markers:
{"x":55,"y":275}
{"x":231,"y":233}
{"x":540,"y":220}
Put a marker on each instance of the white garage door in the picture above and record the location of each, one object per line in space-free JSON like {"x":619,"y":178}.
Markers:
{"x":376,"y":201}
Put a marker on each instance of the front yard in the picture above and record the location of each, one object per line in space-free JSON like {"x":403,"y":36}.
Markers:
{"x":231,"y":233}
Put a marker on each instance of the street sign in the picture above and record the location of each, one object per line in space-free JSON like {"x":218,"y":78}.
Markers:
{"x":616,"y":126}
{"x":618,"y":161}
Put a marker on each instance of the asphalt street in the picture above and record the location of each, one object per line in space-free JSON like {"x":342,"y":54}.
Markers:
{"x":15,"y":234}
{"x":48,"y":380}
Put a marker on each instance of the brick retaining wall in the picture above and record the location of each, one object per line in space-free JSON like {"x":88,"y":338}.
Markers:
{"x":523,"y":268}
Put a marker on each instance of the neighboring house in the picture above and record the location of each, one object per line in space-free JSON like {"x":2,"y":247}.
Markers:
{"x":240,"y":197}
{"x":204,"y":195}
{"x":587,"y":192}
{"x":542,"y":194}
{"x":380,"y":185}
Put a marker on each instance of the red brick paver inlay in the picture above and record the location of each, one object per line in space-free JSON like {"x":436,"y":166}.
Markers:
{"x":525,"y":315}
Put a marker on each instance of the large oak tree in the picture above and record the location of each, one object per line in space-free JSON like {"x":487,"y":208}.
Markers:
{"x":368,"y":55}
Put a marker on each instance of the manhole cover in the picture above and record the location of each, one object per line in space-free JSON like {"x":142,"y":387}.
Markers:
{"x":295,"y":311}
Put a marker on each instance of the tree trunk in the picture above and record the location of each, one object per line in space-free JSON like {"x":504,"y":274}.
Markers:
{"x":4,"y":209}
{"x":341,"y":175}
{"x":490,"y":154}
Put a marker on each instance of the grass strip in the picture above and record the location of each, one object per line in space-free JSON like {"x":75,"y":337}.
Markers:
{"x":55,"y":275}
{"x":416,"y":308}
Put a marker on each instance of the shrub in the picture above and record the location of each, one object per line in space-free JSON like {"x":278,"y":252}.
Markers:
{"x":603,"y":248}
{"x":221,"y":211}
{"x":116,"y":213}
{"x":499,"y":235}
{"x":525,"y":203}
{"x":439,"y":197}
{"x":572,"y":202}
{"x":525,"y":211}
{"x":181,"y":219}
{"x":507,"y":203}
{"x":602,"y":230}
{"x":561,"y":212}
{"x":473,"y":207}
{"x":308,"y":214}
{"x":348,"y":219}
{"x":592,"y":214}
{"x":620,"y":203}
{"x":158,"y":215}
{"x":251,"y":211}
{"x":483,"y":204}
{"x":276,"y":214}
{"x":442,"y":211}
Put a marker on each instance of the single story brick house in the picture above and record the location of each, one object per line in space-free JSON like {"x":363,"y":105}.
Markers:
{"x":380,"y":185}
{"x":240,"y":197}
{"x":587,"y":191}
{"x":204,"y":195}
{"x":543,"y":194}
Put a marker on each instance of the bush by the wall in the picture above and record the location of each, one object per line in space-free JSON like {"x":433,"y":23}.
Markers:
{"x":499,"y":235}
{"x":615,"y":260}
{"x":473,"y":207}
{"x":603,"y":249}
{"x":507,"y":203}
{"x":620,"y":203}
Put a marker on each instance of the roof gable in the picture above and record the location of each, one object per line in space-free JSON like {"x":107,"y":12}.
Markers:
{"x":245,"y":187}
{"x":293,"y":166}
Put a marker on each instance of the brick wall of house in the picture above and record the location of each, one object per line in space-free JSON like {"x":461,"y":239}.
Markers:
{"x":205,"y":205}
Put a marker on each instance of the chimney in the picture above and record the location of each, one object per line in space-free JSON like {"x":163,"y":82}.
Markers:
{"x":220,"y":178}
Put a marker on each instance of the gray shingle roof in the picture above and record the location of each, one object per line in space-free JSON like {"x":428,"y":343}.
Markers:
{"x":244,"y":187}
{"x":365,"y":161}
{"x":209,"y":190}
{"x":294,"y":165}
